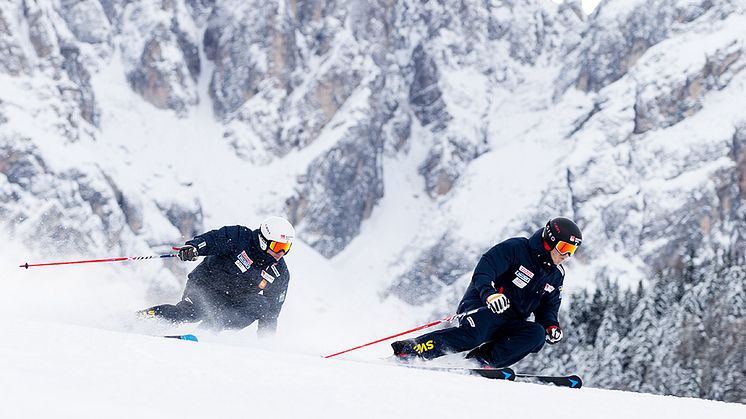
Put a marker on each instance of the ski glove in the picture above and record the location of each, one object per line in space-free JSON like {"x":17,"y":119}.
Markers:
{"x":554,"y":334}
{"x":188,"y":253}
{"x":498,"y":303}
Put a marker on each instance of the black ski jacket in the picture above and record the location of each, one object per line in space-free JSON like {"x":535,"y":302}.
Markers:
{"x":521,"y":269}
{"x":237,"y":270}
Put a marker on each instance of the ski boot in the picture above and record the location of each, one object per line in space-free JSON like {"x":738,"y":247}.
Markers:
{"x":404,"y":351}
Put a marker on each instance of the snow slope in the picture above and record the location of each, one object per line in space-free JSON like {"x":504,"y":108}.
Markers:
{"x":65,"y":371}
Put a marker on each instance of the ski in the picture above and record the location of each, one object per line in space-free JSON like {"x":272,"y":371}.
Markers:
{"x":188,"y":337}
{"x":493,"y":373}
{"x":572,"y":381}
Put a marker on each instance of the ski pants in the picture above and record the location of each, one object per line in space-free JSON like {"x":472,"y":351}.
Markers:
{"x":215,"y":310}
{"x":492,"y":338}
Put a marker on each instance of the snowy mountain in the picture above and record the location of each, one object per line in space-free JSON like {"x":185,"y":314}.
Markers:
{"x":403,"y":139}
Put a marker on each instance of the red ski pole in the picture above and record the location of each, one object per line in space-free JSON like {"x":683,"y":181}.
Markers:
{"x":424,"y":326}
{"x":118,"y":259}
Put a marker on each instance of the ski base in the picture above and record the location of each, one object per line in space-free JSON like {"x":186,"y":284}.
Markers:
{"x":188,"y":337}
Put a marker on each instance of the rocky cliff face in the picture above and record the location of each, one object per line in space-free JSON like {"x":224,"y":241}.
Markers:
{"x":630,"y":120}
{"x":281,"y":72}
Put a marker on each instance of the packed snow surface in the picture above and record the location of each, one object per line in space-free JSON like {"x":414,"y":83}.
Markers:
{"x":66,"y":371}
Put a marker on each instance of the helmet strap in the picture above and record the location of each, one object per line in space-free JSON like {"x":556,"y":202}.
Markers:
{"x":262,"y":242}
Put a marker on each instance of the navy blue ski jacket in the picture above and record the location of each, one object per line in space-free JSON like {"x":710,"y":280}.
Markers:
{"x":237,"y":270}
{"x":521,"y":269}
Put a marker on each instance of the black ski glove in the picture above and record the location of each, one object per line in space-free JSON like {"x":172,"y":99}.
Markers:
{"x":188,"y":253}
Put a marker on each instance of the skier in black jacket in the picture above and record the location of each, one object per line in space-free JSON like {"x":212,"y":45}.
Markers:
{"x":243,"y":278}
{"x":513,"y":279}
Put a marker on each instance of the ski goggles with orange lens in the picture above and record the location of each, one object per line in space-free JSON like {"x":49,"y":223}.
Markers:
{"x":565,"y":248}
{"x":278,"y":247}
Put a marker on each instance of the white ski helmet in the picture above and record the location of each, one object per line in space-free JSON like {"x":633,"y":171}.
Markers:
{"x":277,"y":234}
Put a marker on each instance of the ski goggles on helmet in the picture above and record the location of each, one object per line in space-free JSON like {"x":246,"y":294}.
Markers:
{"x":278,"y":247}
{"x":565,"y":248}
{"x":274,"y":246}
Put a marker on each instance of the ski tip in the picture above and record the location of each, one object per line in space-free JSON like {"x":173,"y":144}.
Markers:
{"x":191,"y":338}
{"x":575,"y":381}
{"x":188,"y":337}
{"x":509,"y":374}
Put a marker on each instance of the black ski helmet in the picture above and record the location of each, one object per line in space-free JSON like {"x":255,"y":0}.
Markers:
{"x":561,"y":230}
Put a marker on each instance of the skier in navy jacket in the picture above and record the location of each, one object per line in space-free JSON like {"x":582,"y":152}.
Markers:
{"x":242,"y":279}
{"x":513,"y":279}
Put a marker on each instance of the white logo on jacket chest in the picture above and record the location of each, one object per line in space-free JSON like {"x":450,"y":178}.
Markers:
{"x":243,"y":262}
{"x":267,"y":278}
{"x":548,"y":288}
{"x":266,"y":275}
{"x":522,"y":276}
